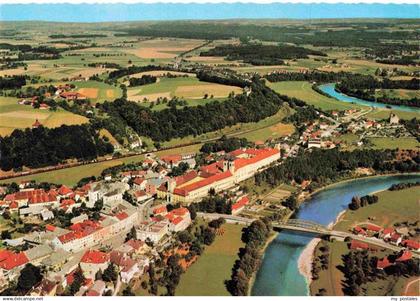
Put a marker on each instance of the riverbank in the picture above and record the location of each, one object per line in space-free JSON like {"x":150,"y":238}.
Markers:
{"x":324,"y":208}
{"x":386,"y":212}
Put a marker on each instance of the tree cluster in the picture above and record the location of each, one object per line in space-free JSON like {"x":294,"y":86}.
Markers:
{"x":144,"y":80}
{"x":357,"y":202}
{"x":42,"y":146}
{"x":224,"y":144}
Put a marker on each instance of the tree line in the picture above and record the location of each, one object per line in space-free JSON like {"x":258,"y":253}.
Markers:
{"x":254,"y":237}
{"x":171,"y":123}
{"x":12,"y":82}
{"x":321,"y":166}
{"x":224,"y":144}
{"x":144,"y":80}
{"x":257,"y":54}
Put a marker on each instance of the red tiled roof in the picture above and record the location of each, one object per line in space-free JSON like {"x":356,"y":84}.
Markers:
{"x":358,"y":245}
{"x":236,"y":152}
{"x":411,"y":244}
{"x":171,"y":158}
{"x":383,"y":263}
{"x":406,"y":255}
{"x":135,"y":244}
{"x":13,"y":205}
{"x":92,"y":293}
{"x":259,"y":154}
{"x":138,"y":181}
{"x":388,"y":231}
{"x":10,"y":260}
{"x":139,"y":193}
{"x":373,"y":228}
{"x":395,"y":237}
{"x":95,"y":257}
{"x":50,"y":227}
{"x":186,"y":178}
{"x":240,"y":203}
{"x":64,"y":190}
{"x":121,"y":215}
{"x":159,"y":210}
{"x":67,"y":202}
{"x":176,"y":220}
{"x":213,"y":168}
{"x":180,"y":211}
{"x":359,"y":229}
{"x":80,"y":230}
{"x":202,"y":183}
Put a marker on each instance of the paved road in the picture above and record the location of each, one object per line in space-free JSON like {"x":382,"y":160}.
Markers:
{"x":227,"y":217}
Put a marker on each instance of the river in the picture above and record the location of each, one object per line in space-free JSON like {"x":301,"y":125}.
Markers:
{"x":330,"y":90}
{"x":279,"y":274}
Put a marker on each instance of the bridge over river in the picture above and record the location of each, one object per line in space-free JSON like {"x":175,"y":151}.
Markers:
{"x":307,"y":227}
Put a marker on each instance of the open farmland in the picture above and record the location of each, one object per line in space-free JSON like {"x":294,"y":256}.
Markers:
{"x":15,"y":116}
{"x":97,"y":91}
{"x":183,"y":87}
{"x":303,"y":90}
{"x":163,"y":48}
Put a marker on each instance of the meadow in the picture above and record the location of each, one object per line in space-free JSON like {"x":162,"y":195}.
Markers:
{"x":15,"y":116}
{"x":183,"y":87}
{"x":97,"y":92}
{"x":303,"y":90}
{"x":206,"y":276}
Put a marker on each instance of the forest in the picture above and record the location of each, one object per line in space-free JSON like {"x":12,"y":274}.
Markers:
{"x":364,"y":86}
{"x":12,"y":82}
{"x":172,"y":122}
{"x":257,"y":54}
{"x":224,"y":144}
{"x":314,"y":75}
{"x":41,"y":146}
{"x":144,"y":80}
{"x":322,"y":166}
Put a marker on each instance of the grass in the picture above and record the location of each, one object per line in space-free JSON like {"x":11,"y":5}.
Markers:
{"x":394,"y":143}
{"x":303,"y":91}
{"x":392,"y":207}
{"x":98,"y":91}
{"x":380,"y":114}
{"x":206,"y":276}
{"x":70,"y":176}
{"x":183,"y":87}
{"x":15,"y":116}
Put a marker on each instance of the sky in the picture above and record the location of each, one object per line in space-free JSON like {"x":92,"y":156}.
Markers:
{"x":64,"y":12}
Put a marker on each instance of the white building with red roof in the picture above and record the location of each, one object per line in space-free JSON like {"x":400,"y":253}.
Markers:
{"x":93,"y":261}
{"x":179,"y":219}
{"x":11,"y":263}
{"x":240,"y":204}
{"x":240,"y":165}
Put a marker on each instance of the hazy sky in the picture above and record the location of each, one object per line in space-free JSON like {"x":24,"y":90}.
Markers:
{"x":176,"y":11}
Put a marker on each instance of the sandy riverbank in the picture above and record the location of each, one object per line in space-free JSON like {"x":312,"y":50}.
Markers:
{"x":306,"y":259}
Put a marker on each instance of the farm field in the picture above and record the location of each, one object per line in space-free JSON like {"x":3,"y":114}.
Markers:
{"x":96,"y":91}
{"x":397,"y":93}
{"x":183,"y":87}
{"x":206,"y":276}
{"x":392,"y":207}
{"x":394,"y":143}
{"x":161,"y":48}
{"x":15,"y":116}
{"x":303,"y":90}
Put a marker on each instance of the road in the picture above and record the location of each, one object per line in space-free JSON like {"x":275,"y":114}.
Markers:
{"x":227,"y":217}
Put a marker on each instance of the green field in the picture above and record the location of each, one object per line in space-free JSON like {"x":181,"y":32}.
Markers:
{"x":15,"y":116}
{"x":206,"y":276}
{"x":303,"y":91}
{"x":97,"y":91}
{"x":394,"y":143}
{"x":183,"y":87}
{"x":393,"y":206}
{"x":384,"y":114}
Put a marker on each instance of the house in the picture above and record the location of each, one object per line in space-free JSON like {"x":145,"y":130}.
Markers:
{"x":11,"y":263}
{"x":395,"y":238}
{"x":47,"y":215}
{"x":44,"y":288}
{"x":140,"y":195}
{"x":359,"y":230}
{"x":160,"y":210}
{"x":38,"y":253}
{"x":154,"y":230}
{"x":179,"y":219}
{"x":139,"y":183}
{"x":358,"y":245}
{"x":127,"y":266}
{"x":64,"y":191}
{"x":373,"y":228}
{"x":411,"y":244}
{"x":71,"y":96}
{"x":404,"y":256}
{"x":239,"y":205}
{"x":93,"y":261}
{"x":383,"y":263}
{"x":386,"y":233}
